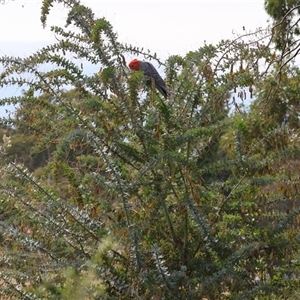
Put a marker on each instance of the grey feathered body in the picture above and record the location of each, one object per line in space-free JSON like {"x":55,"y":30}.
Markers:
{"x":150,"y":71}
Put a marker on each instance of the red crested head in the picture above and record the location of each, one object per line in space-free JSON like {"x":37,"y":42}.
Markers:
{"x":134,"y":65}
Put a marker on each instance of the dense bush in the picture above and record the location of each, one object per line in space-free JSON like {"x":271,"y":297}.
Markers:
{"x":192,"y":197}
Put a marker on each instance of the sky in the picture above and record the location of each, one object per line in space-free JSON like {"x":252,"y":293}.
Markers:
{"x":164,"y":27}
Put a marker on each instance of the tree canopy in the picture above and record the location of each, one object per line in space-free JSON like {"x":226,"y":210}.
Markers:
{"x":285,"y":31}
{"x":110,"y":191}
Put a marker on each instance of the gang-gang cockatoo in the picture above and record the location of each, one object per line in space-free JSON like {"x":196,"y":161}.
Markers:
{"x":149,"y":70}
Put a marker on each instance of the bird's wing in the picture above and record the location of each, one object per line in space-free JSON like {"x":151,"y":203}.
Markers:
{"x":163,"y":90}
{"x":150,"y":71}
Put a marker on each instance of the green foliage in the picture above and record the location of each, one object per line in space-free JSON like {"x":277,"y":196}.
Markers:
{"x":285,"y":31}
{"x":143,"y":197}
{"x":47,"y":4}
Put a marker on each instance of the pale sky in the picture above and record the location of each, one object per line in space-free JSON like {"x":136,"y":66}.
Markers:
{"x":164,"y":27}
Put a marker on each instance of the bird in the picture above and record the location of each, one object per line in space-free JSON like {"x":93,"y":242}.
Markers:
{"x":149,"y":70}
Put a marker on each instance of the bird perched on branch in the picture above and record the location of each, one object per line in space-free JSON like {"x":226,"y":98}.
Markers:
{"x":150,"y":71}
